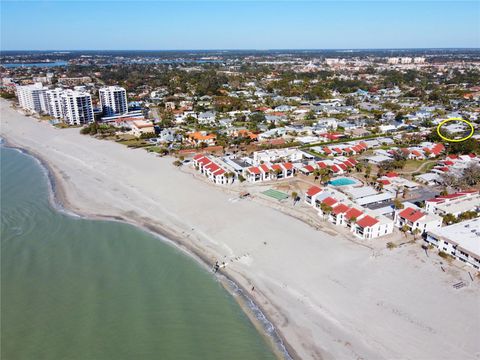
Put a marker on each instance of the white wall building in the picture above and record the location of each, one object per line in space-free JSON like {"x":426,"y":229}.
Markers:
{"x":460,"y":240}
{"x":414,"y":218}
{"x":32,"y":97}
{"x":363,"y":223}
{"x":77,"y":107}
{"x":113,"y":100}
{"x":54,"y":102}
{"x":454,"y":204}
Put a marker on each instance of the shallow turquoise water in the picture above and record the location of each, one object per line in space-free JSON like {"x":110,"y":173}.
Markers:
{"x":79,"y":289}
{"x":342,"y":182}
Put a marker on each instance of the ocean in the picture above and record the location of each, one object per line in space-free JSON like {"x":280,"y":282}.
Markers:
{"x":73,"y":288}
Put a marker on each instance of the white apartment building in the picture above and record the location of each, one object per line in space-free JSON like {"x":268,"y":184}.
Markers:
{"x":454,"y":204}
{"x":361,"y":222}
{"x":54,"y":102}
{"x":113,"y":100}
{"x":414,"y":218}
{"x":460,"y":240}
{"x":77,"y":107}
{"x":32,"y":97}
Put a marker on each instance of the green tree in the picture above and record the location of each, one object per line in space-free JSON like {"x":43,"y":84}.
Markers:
{"x":449,"y":219}
{"x":326,"y":209}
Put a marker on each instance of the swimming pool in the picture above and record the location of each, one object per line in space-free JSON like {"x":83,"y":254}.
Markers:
{"x":342,"y":182}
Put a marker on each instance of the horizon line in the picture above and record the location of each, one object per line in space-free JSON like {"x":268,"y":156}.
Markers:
{"x":253,"y":49}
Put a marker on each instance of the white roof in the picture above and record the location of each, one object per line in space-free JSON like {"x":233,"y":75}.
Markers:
{"x":466,"y":234}
{"x":374,"y":198}
{"x":361,"y":192}
{"x":428,"y":176}
{"x":378,"y":158}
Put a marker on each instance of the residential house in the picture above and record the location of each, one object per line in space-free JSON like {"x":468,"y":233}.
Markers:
{"x":414,"y":218}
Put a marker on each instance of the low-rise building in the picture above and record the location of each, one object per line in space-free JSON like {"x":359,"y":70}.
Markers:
{"x":461,"y":241}
{"x":268,"y":171}
{"x":362,"y":223}
{"x":414,"y":218}
{"x":454,"y":204}
{"x":214,"y":169}
{"x":140,"y":127}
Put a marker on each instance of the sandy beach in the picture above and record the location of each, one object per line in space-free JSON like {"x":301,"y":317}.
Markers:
{"x":328,"y":297}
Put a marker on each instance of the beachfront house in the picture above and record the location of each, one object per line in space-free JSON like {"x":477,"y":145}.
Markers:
{"x":414,"y":218}
{"x":459,"y":240}
{"x":454,"y":204}
{"x":141,"y":127}
{"x":213,"y":169}
{"x":361,"y":223}
{"x":266,"y":172}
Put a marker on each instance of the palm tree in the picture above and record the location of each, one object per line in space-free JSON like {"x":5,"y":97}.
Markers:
{"x":368,"y":170}
{"x":294,"y":196}
{"x":398,"y":204}
{"x":405,"y":229}
{"x":325,"y":178}
{"x":326,"y":209}
{"x":415,"y":233}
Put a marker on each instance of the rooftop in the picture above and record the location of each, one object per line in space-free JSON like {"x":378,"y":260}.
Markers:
{"x":465,"y":234}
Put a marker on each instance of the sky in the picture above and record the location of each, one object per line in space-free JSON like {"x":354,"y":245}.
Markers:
{"x":189,"y":25}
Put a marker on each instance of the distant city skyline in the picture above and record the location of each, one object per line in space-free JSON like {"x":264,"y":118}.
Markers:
{"x":233,"y":25}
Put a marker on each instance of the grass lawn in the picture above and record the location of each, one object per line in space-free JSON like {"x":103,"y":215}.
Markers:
{"x":134,"y":143}
{"x":413,"y":165}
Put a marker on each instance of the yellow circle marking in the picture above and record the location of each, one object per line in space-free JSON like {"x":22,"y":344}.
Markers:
{"x":455,"y":140}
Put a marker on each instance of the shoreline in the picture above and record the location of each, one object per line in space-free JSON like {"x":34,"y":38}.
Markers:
{"x":257,"y":316}
{"x":330,"y":297}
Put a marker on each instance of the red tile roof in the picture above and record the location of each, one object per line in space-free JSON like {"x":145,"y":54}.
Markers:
{"x":353,"y":213}
{"x":329,"y":201}
{"x":288,"y":166}
{"x":340,"y":209}
{"x":264,"y":168}
{"x":353,"y":161}
{"x":335,"y":168}
{"x":309,"y":168}
{"x":411,"y":214}
{"x":367,"y":221}
{"x":342,"y":166}
{"x":322,"y":164}
{"x":391,"y":174}
{"x":219,"y":172}
{"x":204,"y":161}
{"x":313,"y":190}
{"x":212,"y":167}
{"x":254,"y":170}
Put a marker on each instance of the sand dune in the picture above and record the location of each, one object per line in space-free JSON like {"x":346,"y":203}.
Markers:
{"x":328,"y":297}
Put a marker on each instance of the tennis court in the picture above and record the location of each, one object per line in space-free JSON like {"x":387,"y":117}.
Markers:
{"x":275,"y":194}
